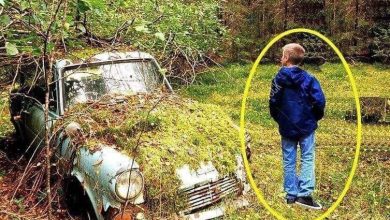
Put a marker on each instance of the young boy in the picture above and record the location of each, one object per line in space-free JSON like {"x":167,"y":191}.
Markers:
{"x":297,"y":103}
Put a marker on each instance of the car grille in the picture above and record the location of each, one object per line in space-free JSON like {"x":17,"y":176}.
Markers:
{"x":205,"y":194}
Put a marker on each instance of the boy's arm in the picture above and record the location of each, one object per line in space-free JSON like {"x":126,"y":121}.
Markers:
{"x":318,"y":99}
{"x":275,"y":99}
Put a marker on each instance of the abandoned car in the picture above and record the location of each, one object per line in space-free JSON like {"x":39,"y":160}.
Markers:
{"x":127,"y":173}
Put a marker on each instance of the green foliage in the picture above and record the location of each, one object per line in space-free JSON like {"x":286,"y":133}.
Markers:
{"x":182,"y":34}
{"x":5,"y":20}
{"x":190,"y":29}
{"x":379,"y":47}
{"x":25,"y":32}
{"x":19,"y":202}
{"x":187,"y":35}
{"x":89,"y":5}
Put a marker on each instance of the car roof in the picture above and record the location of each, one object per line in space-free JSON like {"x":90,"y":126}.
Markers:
{"x":107,"y":56}
{"x":122,"y":55}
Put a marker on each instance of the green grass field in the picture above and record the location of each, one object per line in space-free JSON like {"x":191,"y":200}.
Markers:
{"x":368,"y":198}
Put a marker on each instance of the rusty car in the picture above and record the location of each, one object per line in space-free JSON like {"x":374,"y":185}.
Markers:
{"x":116,"y":188}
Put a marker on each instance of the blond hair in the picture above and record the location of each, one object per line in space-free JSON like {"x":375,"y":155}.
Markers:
{"x":295,"y":52}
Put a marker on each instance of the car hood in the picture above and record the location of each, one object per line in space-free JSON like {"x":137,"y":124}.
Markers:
{"x":177,"y":142}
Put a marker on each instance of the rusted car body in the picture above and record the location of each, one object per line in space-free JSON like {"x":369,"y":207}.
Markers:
{"x":101,"y":172}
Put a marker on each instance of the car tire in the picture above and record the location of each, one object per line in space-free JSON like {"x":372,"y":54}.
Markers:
{"x":77,"y":200}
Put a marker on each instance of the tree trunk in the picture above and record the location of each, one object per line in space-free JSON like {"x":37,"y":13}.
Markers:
{"x":285,"y":14}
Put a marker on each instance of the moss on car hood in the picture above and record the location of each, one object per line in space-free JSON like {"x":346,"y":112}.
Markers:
{"x":169,"y":131}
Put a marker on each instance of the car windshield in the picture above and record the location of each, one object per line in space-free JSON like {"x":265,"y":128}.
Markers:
{"x":87,"y":84}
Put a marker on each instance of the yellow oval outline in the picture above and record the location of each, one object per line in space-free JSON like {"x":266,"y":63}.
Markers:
{"x":348,"y":183}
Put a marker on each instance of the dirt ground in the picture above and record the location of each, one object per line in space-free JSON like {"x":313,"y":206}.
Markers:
{"x":20,"y":201}
{"x":20,"y":198}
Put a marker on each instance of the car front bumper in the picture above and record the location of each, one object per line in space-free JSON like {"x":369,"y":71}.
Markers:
{"x":218,"y":210}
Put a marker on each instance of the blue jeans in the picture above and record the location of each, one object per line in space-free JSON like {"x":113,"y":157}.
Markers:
{"x":302,"y":185}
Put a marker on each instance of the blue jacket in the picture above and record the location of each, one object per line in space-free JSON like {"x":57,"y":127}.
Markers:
{"x":296,"y":103}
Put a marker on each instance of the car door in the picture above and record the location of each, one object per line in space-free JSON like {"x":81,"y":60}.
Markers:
{"x":33,"y":118}
{"x":34,"y":121}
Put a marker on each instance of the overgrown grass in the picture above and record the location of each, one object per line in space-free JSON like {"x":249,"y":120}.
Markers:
{"x":368,"y":197}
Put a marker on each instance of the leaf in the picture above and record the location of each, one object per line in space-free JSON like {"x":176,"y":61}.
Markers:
{"x":2,"y":2}
{"x":160,"y":36}
{"x":24,"y":5}
{"x":87,"y":5}
{"x":36,"y":51}
{"x":163,"y":71}
{"x":5,"y":20}
{"x":97,"y":4}
{"x":11,"y":49}
{"x":66,"y":26}
{"x":50,"y":47}
{"x":83,"y":6}
{"x":142,"y":28}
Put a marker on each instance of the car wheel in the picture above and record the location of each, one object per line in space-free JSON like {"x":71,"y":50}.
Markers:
{"x":77,"y":200}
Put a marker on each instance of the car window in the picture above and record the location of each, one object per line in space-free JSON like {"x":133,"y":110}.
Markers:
{"x":91,"y":83}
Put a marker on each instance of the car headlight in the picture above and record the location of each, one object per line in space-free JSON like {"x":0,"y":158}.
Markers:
{"x":129,"y":187}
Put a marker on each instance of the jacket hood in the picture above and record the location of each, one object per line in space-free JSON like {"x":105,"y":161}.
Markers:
{"x":290,"y":76}
{"x":298,"y":105}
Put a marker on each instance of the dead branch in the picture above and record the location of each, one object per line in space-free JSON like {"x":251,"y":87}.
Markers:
{"x":48,"y":77}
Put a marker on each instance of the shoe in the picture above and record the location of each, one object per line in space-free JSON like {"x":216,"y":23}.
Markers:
{"x":308,"y":202}
{"x":291,"y":200}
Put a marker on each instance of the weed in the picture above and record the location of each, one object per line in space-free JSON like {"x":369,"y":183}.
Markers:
{"x":19,"y":202}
